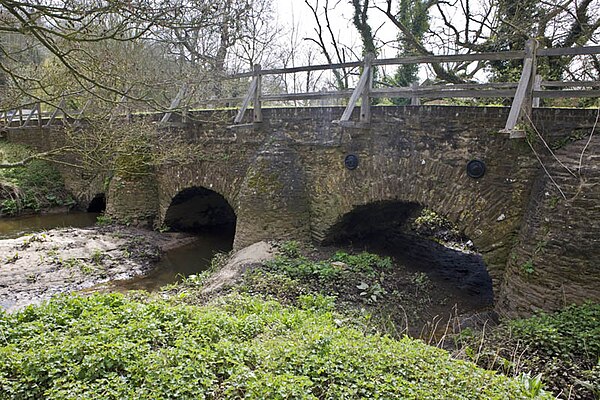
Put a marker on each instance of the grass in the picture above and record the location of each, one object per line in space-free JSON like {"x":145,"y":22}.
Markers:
{"x":32,"y":188}
{"x":237,"y":346}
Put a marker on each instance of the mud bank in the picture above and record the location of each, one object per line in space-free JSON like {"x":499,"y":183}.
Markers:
{"x":37,"y":266}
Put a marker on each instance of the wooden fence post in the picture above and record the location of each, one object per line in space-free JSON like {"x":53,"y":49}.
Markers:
{"x":523,"y":99}
{"x":174,"y":104}
{"x":257,"y":110}
{"x":537,"y":85}
{"x":39,"y":111}
{"x":415,"y":100}
{"x":365,"y":105}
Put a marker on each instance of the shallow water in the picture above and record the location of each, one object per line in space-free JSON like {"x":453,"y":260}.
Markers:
{"x":177,"y":263}
{"x":174,"y":264}
{"x":13,"y":227}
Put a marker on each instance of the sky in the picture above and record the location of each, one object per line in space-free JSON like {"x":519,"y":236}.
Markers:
{"x":296,"y":12}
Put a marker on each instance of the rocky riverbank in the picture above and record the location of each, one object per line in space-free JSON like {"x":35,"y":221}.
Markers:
{"x":37,"y":266}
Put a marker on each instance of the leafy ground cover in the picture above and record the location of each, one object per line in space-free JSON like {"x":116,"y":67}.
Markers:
{"x":368,"y":287}
{"x":372,"y":294}
{"x":35,"y":187}
{"x":236,"y":346}
{"x":563,"y":348}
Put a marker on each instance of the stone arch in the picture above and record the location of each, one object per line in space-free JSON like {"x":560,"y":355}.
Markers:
{"x":196,"y":209}
{"x":384,"y":227}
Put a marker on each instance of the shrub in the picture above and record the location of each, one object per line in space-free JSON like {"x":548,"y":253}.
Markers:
{"x":36,"y":186}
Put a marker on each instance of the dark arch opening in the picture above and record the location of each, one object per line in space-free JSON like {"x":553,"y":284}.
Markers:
{"x":198,"y":210}
{"x":424,"y":242}
{"x":98,"y":204}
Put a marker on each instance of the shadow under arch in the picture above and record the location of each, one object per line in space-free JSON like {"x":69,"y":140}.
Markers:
{"x":97,"y":204}
{"x":456,"y":269}
{"x":198,"y":209}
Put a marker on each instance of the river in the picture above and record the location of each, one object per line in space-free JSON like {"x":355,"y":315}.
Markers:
{"x":174,"y":264}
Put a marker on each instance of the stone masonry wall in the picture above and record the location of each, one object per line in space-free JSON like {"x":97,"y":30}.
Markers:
{"x":83,"y":185}
{"x":556,"y":261}
{"x":285,"y":179}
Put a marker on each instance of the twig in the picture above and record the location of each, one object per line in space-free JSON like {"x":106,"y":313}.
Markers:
{"x":548,"y":147}
{"x":31,"y":158}
{"x":545,"y":170}
{"x":588,"y":142}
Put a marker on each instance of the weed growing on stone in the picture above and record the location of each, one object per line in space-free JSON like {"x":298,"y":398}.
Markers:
{"x":13,"y":259}
{"x":103,"y":220}
{"x":527,"y":267}
{"x":97,"y":257}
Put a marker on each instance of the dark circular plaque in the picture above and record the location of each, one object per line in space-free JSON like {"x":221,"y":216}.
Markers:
{"x":351,"y":161}
{"x":475,"y":169}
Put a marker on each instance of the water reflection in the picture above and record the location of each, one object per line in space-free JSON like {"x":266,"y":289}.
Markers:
{"x":12,"y":227}
{"x":177,"y":263}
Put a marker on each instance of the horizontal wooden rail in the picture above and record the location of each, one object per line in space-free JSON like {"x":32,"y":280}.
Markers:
{"x":566,"y":94}
{"x":428,"y":59}
{"x":570,"y":84}
{"x":569,"y":51}
{"x":340,"y":94}
{"x":437,"y":93}
{"x":435,"y":59}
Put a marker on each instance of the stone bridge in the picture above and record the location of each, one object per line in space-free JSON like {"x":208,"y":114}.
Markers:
{"x":286,"y":178}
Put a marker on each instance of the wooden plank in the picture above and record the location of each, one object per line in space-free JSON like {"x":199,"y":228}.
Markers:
{"x":537,"y":85}
{"x":9,"y":120}
{"x":426,"y":59}
{"x":571,"y":83}
{"x":307,"y":68}
{"x":569,"y":51}
{"x":566,"y":94}
{"x":414,"y":99}
{"x":256,"y":110}
{"x":365,"y":104}
{"x":523,"y":90}
{"x":406,"y":93}
{"x":356,"y":94}
{"x":307,"y":96}
{"x":114,"y":112}
{"x":174,"y":104}
{"x":39,"y":110}
{"x":430,"y":59}
{"x":519,"y":98}
{"x":31,"y":113}
{"x":85,"y":106}
{"x":56,"y":111}
{"x":250,"y":95}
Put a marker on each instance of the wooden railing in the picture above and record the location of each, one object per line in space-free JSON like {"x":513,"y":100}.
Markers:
{"x":526,"y":93}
